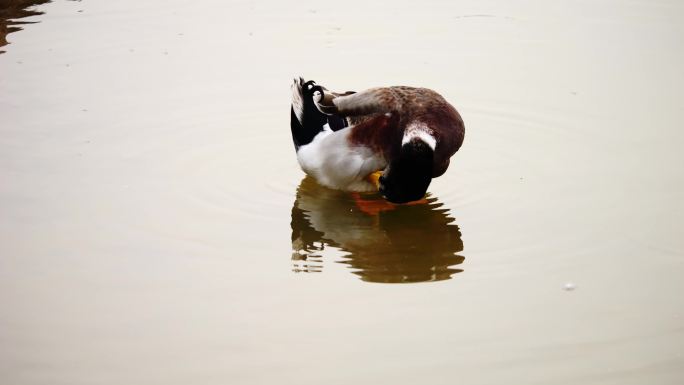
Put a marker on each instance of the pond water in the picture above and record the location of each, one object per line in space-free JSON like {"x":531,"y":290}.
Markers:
{"x":155,"y":227}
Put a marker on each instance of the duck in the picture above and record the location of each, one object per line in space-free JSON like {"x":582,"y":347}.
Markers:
{"x":392,"y":140}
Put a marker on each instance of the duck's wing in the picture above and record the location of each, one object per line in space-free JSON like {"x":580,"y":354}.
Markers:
{"x":368,"y":102}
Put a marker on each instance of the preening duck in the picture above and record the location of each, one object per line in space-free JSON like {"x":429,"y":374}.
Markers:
{"x":343,"y":139}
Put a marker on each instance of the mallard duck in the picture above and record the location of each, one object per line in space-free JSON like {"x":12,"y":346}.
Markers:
{"x":389,"y":139}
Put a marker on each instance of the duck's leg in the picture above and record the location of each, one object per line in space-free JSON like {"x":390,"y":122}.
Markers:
{"x":371,"y":101}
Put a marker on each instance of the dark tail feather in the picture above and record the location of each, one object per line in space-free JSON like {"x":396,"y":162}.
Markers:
{"x":306,"y":121}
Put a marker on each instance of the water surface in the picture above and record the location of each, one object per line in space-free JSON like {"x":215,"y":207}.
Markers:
{"x":155,"y":227}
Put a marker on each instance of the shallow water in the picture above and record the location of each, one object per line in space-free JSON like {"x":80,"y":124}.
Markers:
{"x":156,"y":227}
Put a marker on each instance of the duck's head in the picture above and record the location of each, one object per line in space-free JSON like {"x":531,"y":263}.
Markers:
{"x":409,"y":174}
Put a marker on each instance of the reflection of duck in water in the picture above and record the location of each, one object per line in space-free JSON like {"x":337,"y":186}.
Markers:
{"x":10,"y":10}
{"x":407,"y":133}
{"x":385,"y":242}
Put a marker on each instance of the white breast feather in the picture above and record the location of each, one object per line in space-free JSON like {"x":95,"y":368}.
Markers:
{"x":334,"y":163}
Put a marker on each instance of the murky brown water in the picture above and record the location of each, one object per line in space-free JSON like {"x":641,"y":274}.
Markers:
{"x":155,"y":227}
